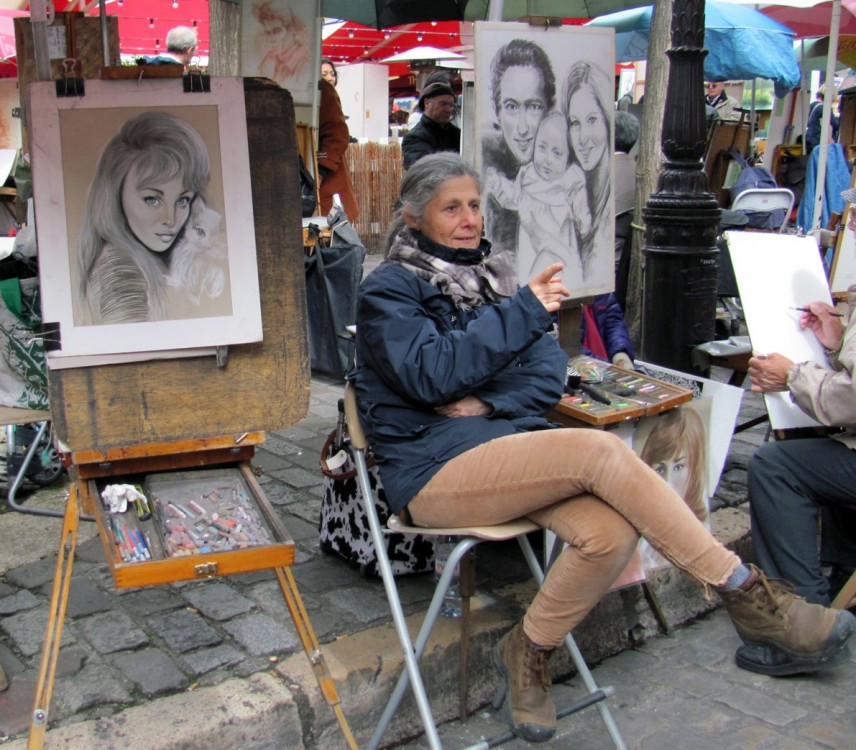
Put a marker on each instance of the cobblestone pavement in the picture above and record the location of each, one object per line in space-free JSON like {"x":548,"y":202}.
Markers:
{"x":129,"y":655}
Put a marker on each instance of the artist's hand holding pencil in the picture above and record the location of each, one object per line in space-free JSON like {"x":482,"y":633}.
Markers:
{"x":768,"y":373}
{"x":825,"y":322}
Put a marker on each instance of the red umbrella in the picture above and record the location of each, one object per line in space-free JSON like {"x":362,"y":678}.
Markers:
{"x":813,"y":20}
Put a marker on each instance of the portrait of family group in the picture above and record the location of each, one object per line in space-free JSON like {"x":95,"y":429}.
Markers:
{"x":545,"y":119}
{"x":144,"y":246}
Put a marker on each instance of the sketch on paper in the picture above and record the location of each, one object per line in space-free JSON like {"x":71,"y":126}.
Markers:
{"x":143,"y":246}
{"x":545,"y":153}
{"x":149,"y":247}
{"x":280,"y":41}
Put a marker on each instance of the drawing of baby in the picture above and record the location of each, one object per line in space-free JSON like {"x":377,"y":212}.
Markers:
{"x":550,"y":196}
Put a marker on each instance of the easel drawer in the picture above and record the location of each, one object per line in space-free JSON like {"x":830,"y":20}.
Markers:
{"x":162,"y":567}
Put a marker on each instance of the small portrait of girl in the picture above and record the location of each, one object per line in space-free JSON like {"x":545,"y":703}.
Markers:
{"x":143,"y":215}
{"x":675,"y":445}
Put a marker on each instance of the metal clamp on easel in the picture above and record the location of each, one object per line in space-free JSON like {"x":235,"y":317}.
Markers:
{"x":71,"y":83}
{"x":196,"y":82}
{"x":546,"y":22}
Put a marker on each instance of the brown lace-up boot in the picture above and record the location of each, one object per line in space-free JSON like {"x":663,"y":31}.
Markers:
{"x":523,"y":665}
{"x":804,"y":637}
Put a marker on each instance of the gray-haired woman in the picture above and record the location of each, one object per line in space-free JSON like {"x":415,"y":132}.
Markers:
{"x":455,"y":372}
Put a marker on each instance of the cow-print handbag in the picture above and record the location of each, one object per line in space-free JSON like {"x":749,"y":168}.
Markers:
{"x":343,"y":528}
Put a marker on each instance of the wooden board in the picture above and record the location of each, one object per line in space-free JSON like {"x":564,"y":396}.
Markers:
{"x":82,"y":43}
{"x":264,"y":386}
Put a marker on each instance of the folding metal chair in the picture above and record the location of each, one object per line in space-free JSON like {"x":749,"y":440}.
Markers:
{"x":765,"y":200}
{"x":33,"y":457}
{"x":469,"y":537}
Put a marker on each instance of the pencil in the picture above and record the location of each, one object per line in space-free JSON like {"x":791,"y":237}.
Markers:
{"x":805,"y":309}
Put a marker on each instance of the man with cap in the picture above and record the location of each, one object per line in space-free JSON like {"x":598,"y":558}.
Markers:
{"x":434,"y":131}
{"x":792,"y":481}
{"x":726,"y":106}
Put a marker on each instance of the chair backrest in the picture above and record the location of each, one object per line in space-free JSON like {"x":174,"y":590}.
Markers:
{"x":352,"y":417}
{"x":765,"y":200}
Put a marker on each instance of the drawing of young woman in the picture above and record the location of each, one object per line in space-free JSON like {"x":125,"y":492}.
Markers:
{"x":676,"y":448}
{"x":587,"y":102}
{"x":141,"y":196}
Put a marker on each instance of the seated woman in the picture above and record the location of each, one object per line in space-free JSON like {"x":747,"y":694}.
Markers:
{"x":455,"y":371}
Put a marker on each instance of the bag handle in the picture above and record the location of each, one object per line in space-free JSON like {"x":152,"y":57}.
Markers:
{"x":326,"y":452}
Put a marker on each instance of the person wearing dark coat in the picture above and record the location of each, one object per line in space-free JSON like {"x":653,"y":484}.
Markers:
{"x":434,"y":132}
{"x":333,"y":139}
{"x":455,"y":374}
{"x":604,"y":333}
{"x":180,"y":48}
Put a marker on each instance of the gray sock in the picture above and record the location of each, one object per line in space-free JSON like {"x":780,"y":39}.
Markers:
{"x":736,"y":579}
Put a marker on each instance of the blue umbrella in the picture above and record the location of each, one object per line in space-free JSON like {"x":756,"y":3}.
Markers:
{"x":742,"y":43}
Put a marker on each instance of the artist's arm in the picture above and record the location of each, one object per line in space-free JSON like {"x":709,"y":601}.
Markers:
{"x":822,"y":319}
{"x":827,"y":395}
{"x":613,"y":330}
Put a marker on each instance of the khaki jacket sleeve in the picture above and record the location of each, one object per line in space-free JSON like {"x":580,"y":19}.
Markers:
{"x":828,"y":395}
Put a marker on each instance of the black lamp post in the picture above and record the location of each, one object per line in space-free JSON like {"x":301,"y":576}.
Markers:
{"x":681,"y":217}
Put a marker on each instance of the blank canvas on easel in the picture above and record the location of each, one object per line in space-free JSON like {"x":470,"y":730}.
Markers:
{"x":776,"y":273}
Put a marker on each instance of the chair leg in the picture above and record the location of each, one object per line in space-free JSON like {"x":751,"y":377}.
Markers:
{"x":410,"y":656}
{"x":576,"y":656}
{"x":458,"y":552}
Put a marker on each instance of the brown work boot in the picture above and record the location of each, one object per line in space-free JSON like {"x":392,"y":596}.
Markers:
{"x":804,"y":637}
{"x":523,"y":665}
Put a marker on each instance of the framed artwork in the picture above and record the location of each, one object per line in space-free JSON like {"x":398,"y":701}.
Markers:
{"x":775,"y":273}
{"x":843,"y":272}
{"x":10,"y":127}
{"x":281,"y":40}
{"x":545,"y":148}
{"x":145,"y":247}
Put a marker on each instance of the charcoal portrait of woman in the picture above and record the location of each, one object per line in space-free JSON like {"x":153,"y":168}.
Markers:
{"x":150,"y":247}
{"x":546,"y":153}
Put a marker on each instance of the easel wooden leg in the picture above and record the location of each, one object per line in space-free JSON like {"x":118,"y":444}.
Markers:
{"x":467,"y":583}
{"x":313,"y":650}
{"x":654,"y":604}
{"x":56,"y":616}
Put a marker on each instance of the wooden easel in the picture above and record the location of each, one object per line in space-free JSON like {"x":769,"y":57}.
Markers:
{"x":170,"y":414}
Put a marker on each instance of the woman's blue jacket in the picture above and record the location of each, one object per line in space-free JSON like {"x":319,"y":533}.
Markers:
{"x":417,"y":351}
